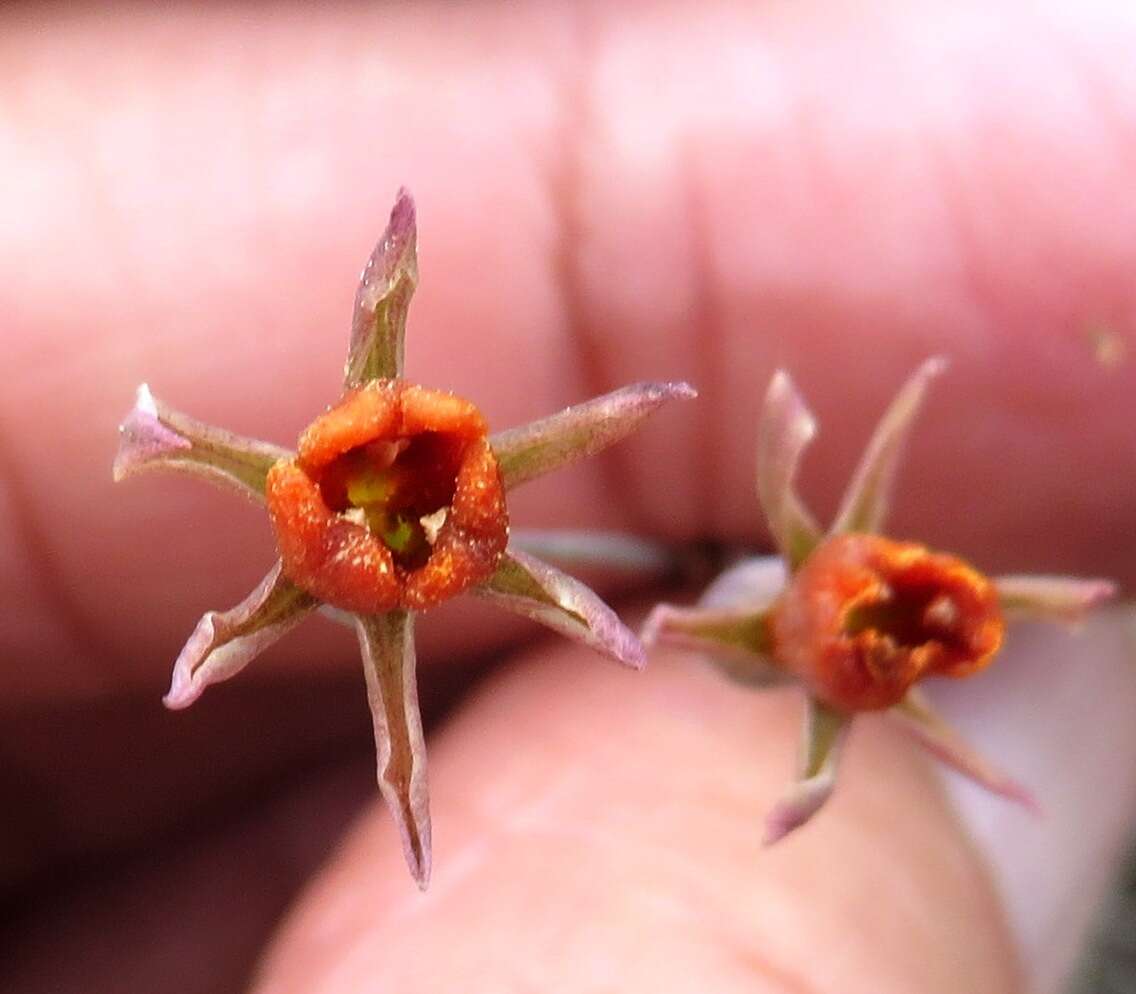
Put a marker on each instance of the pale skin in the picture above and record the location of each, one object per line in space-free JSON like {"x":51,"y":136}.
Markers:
{"x":603,"y":197}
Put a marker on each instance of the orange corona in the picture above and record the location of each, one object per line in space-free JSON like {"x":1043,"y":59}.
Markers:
{"x":394,"y":500}
{"x":865,"y":618}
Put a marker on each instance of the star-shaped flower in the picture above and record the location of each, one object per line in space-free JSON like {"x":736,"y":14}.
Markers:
{"x":855,"y":618}
{"x":394,"y":502}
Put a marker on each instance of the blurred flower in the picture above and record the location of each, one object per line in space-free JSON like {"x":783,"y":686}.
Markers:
{"x":855,"y":618}
{"x":394,"y":502}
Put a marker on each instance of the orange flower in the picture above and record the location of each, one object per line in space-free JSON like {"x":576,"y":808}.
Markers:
{"x":858,"y":620}
{"x":393,"y":503}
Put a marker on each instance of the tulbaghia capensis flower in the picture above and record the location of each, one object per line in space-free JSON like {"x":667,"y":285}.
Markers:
{"x":855,"y":618}
{"x":394,"y":502}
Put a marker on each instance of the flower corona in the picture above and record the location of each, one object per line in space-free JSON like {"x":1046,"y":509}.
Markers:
{"x":394,"y":500}
{"x":866,"y":617}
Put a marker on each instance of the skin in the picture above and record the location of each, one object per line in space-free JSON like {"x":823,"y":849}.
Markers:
{"x":605,"y":196}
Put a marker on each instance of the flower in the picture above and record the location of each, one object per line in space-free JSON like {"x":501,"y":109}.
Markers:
{"x":394,"y":502}
{"x":857,"y":619}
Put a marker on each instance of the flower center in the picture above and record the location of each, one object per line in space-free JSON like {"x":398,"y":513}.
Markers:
{"x":401,"y":491}
{"x":394,"y":500}
{"x":907,"y":617}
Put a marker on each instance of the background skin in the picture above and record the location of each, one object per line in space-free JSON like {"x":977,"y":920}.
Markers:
{"x":704,"y":191}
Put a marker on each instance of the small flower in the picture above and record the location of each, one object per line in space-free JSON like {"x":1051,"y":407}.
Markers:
{"x":394,"y":502}
{"x":857,"y":619}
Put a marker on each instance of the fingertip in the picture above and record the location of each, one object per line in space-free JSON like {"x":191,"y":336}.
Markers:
{"x":557,"y":789}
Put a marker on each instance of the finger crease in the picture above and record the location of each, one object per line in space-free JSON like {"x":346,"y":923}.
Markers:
{"x":47,"y":577}
{"x":566,"y":193}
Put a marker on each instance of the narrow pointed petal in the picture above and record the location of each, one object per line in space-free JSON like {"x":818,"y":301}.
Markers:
{"x":378,"y":327}
{"x":387,"y":641}
{"x":752,"y":583}
{"x":612,"y":551}
{"x":920,"y":720}
{"x":866,"y":501}
{"x":155,"y":437}
{"x":787,"y":426}
{"x":525,"y":585}
{"x":736,"y":639}
{"x":338,"y":615}
{"x":225,"y":642}
{"x":1056,"y":598}
{"x":824,"y":734}
{"x":534,"y":449}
